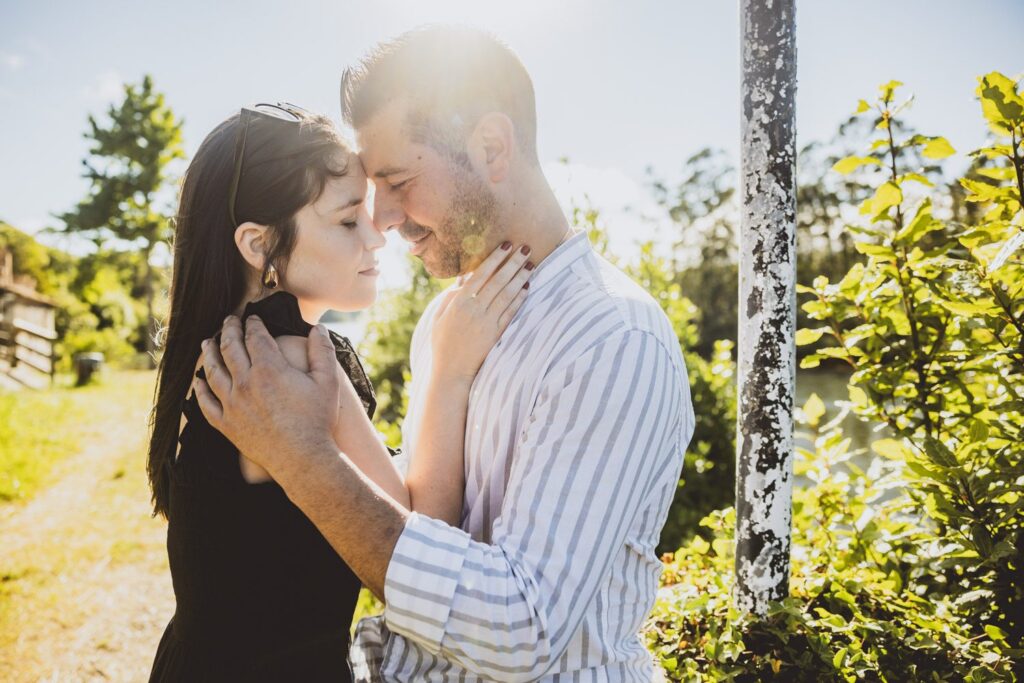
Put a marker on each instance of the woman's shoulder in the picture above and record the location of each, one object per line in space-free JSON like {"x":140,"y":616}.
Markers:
{"x":280,"y":314}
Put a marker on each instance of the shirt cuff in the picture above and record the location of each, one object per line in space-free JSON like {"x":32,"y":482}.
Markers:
{"x":421,"y":579}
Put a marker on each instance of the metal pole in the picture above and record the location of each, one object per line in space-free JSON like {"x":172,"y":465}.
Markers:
{"x":767,"y":306}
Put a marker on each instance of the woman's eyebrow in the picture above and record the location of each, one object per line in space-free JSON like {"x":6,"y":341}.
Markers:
{"x":352,"y":202}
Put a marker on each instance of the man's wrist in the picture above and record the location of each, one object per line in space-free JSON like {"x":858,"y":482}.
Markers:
{"x":300,"y":456}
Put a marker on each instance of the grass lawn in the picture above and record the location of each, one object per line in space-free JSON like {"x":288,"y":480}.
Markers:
{"x":38,"y":429}
{"x":84,"y":587}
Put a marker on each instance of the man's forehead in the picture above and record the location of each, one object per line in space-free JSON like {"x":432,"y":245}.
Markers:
{"x":381,"y":155}
{"x":388,"y":154}
{"x":384,"y":123}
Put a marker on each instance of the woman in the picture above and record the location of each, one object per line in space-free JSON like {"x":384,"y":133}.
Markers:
{"x":272,"y":221}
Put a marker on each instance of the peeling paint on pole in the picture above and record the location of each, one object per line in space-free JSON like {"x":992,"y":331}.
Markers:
{"x":767,"y":351}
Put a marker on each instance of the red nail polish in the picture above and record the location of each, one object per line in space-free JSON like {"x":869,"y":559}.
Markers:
{"x":529,"y":265}
{"x":526,"y":286}
{"x":506,"y":245}
{"x":525,"y":250}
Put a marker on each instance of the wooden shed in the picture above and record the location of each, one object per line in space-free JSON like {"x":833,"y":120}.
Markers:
{"x":27,"y":330}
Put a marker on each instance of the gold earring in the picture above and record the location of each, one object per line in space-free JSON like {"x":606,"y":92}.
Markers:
{"x":270,"y":277}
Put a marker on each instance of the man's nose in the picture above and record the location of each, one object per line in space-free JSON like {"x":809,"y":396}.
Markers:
{"x":387,"y":213}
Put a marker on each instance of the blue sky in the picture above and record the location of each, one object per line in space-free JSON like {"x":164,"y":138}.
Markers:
{"x":620,"y":85}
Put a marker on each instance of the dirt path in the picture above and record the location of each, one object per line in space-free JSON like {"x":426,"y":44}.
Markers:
{"x":84,"y":588}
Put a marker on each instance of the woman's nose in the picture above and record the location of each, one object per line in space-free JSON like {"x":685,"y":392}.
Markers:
{"x":372,"y":237}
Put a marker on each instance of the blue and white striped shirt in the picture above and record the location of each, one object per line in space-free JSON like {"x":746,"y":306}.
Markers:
{"x":577,"y":424}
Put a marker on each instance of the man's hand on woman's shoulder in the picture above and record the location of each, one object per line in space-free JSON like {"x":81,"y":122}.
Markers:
{"x":272,"y":411}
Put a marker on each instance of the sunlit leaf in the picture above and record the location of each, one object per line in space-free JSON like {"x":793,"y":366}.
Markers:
{"x":886,"y":196}
{"x":877,"y":250}
{"x":805,"y":336}
{"x":814,"y":409}
{"x":997,"y":173}
{"x":917,"y":178}
{"x":850,"y":164}
{"x":921,"y":225}
{"x":967,"y":309}
{"x":1001,"y":105}
{"x":995,"y":633}
{"x":938,"y":148}
{"x":979,"y":191}
{"x":808,"y":362}
{"x":887,"y":90}
{"x":890,"y":448}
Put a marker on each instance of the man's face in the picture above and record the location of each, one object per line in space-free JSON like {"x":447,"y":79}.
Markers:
{"x":444,"y":209}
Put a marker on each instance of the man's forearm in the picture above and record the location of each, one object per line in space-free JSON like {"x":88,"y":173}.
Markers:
{"x":360,"y":521}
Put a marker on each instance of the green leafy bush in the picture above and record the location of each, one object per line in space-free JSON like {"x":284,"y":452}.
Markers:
{"x":853,"y":611}
{"x":911,"y":570}
{"x":933,"y":327}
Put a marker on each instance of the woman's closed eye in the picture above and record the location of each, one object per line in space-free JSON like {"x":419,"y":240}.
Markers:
{"x":399,"y":185}
{"x":352,"y":224}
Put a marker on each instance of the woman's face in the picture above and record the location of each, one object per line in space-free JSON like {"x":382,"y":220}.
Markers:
{"x":333,"y":264}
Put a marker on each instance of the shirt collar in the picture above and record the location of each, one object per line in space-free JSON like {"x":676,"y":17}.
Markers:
{"x":564,"y":255}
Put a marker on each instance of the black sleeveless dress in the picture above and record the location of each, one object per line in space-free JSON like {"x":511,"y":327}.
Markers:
{"x":261,"y":596}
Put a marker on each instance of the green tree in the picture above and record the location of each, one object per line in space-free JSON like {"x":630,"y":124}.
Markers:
{"x":387,"y":345}
{"x":49,"y":268}
{"x":703,"y":211}
{"x":933,"y":327}
{"x":103,"y":306}
{"x":702,"y":206}
{"x":128,"y":168}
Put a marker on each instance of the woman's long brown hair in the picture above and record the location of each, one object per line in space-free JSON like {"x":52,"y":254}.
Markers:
{"x":286,"y":166}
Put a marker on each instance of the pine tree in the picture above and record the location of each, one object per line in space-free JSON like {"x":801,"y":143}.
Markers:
{"x":127,"y":167}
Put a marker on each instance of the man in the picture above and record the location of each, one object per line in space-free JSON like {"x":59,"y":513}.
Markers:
{"x":577,"y":422}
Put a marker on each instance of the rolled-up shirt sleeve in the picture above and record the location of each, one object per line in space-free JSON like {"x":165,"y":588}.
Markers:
{"x":607,"y":426}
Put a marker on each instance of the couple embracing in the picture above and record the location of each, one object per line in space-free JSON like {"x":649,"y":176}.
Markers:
{"x":549,"y":409}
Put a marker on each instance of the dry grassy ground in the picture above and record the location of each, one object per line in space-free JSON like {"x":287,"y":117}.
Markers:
{"x":84,"y":588}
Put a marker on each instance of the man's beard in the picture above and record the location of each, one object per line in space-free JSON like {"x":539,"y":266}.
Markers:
{"x":469,"y":225}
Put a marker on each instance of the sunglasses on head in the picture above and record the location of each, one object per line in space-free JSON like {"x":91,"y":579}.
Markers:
{"x":280,"y":111}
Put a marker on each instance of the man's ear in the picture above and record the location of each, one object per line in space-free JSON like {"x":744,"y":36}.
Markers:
{"x":252,"y":241}
{"x":492,"y":145}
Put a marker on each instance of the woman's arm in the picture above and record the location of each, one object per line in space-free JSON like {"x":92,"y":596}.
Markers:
{"x":436,"y":476}
{"x":467,"y":324}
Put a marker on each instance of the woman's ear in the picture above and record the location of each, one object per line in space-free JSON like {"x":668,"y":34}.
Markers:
{"x":252,"y":241}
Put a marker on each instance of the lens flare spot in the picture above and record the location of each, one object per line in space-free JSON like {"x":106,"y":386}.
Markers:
{"x":473,"y":244}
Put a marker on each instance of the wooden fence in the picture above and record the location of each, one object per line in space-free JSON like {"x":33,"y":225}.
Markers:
{"x":27,"y":337}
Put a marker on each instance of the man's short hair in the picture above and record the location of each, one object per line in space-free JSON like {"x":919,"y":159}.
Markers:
{"x":450,"y":76}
